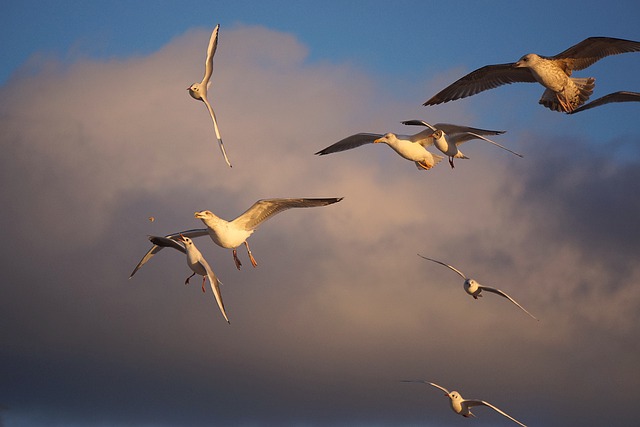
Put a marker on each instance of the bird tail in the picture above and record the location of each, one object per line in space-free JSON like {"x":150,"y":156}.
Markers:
{"x":424,"y":165}
{"x":576,"y":93}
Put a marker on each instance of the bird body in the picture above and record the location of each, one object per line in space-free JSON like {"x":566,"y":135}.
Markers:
{"x":198,"y":91}
{"x":473,"y":288}
{"x":462,"y":406}
{"x":562,"y":92}
{"x":196,"y":262}
{"x":410,"y":150}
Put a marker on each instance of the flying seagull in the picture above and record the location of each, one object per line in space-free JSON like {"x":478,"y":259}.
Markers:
{"x":563,"y":92}
{"x":621,"y":96}
{"x":474,"y":288}
{"x":448,"y":142}
{"x":196,"y":263}
{"x":410,"y":147}
{"x":231,"y":234}
{"x":199,"y":90}
{"x":461,"y":406}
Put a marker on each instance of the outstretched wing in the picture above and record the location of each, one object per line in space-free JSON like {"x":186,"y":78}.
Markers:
{"x":215,"y":287}
{"x":211,"y":51}
{"x":485,"y":78}
{"x":264,"y":209}
{"x":468,"y":136}
{"x":472,"y":402}
{"x":593,"y":49}
{"x":451,"y":129}
{"x":503,"y":294}
{"x":446,"y":265}
{"x":156,"y":248}
{"x":621,"y":96}
{"x":165,"y":242}
{"x":350,"y":142}
{"x":440,"y":387}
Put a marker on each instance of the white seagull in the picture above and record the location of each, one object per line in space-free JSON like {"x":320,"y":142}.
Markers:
{"x":231,"y":234}
{"x":622,"y":96}
{"x":196,"y":263}
{"x":410,"y":147}
{"x":474,"y":288}
{"x":461,"y":406}
{"x":563,"y":92}
{"x":448,"y":141}
{"x":199,"y":90}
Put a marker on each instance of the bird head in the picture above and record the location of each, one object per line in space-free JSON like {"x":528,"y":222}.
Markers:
{"x":526,"y":61}
{"x":203,"y":214}
{"x":194,"y":91}
{"x":187,"y":241}
{"x":437,"y":134}
{"x":386,"y":138}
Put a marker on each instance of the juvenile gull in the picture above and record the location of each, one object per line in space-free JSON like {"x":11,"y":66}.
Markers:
{"x":410,"y":147}
{"x":448,"y":142}
{"x":622,"y":96}
{"x":196,"y":263}
{"x":199,"y":90}
{"x":474,"y":288}
{"x":563,"y":92}
{"x":231,"y":234}
{"x":461,"y":406}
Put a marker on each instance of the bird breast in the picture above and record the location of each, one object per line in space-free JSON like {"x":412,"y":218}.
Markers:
{"x":409,"y":150}
{"x":549,"y":75}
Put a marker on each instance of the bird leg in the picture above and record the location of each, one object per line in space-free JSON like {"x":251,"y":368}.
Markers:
{"x":253,"y":260}
{"x":186,"y":282}
{"x":451,"y":162}
{"x":204,"y":278}
{"x":235,"y":258}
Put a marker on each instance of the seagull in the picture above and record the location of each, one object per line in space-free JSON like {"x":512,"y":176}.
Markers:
{"x":474,"y":288}
{"x":196,"y":263}
{"x":621,"y":96}
{"x":461,"y":406}
{"x":231,"y":234}
{"x":199,"y":90}
{"x":563,"y":92}
{"x":448,"y":141}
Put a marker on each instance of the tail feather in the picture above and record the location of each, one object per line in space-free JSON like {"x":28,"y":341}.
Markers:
{"x":576,"y":93}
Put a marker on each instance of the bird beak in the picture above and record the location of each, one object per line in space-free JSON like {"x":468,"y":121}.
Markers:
{"x":196,"y":215}
{"x":182,"y":239}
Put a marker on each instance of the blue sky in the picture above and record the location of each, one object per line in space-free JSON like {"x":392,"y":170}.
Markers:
{"x":99,"y":134}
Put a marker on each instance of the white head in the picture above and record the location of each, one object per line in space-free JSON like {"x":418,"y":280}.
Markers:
{"x":527,"y":61}
{"x":188,"y":243}
{"x":386,"y":138}
{"x":438,"y":134}
{"x":194,"y":91}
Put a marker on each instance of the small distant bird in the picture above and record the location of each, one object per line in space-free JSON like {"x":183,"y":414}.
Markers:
{"x":151,"y":219}
{"x":563,"y":92}
{"x":199,"y":90}
{"x":474,"y":288}
{"x":448,"y":143}
{"x":196,"y":263}
{"x":621,"y":96}
{"x":231,"y":234}
{"x":461,"y":406}
{"x":410,"y":147}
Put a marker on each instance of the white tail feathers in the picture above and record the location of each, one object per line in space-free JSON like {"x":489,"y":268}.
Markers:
{"x":574,"y":94}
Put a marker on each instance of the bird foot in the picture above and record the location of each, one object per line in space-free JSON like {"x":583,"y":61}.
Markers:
{"x":451,"y":162}
{"x":236,"y":260}
{"x":253,"y":260}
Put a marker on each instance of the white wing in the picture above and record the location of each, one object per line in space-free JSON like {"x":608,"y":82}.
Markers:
{"x":440,"y":387}
{"x":446,"y":265}
{"x":468,"y":136}
{"x":264,"y":209}
{"x":215,"y":287}
{"x":211,"y":51}
{"x":472,"y":402}
{"x":503,"y":294}
{"x":451,"y":129}
{"x":215,"y":127}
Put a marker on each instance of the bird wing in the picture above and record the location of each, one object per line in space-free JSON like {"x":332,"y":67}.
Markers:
{"x":165,"y":242}
{"x":350,"y":142}
{"x":621,"y":96}
{"x":446,"y":265}
{"x":451,"y":129}
{"x":156,"y":248}
{"x":215,"y":287}
{"x":487,"y":77}
{"x":593,"y":49}
{"x":468,"y":136}
{"x":473,"y":402}
{"x":439,"y":386}
{"x":419,"y":123}
{"x":264,"y":209}
{"x":211,"y":51}
{"x":503,"y":294}
{"x":215,"y":127}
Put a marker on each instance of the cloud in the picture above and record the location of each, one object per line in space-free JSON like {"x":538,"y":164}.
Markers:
{"x":340,"y":307}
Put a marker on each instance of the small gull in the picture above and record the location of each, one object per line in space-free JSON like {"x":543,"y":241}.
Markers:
{"x":196,"y":263}
{"x":563,"y":92}
{"x":448,"y":141}
{"x":199,"y":90}
{"x":231,"y":234}
{"x":474,"y":288}
{"x":410,"y":147}
{"x":461,"y":406}
{"x":622,"y":96}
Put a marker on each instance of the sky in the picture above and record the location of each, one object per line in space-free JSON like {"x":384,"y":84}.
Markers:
{"x":98,"y":134}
